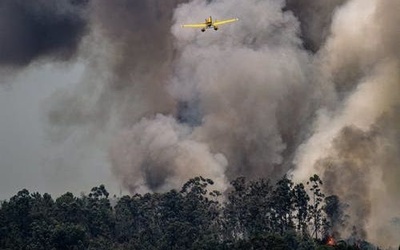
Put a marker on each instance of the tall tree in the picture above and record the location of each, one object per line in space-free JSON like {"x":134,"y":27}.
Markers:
{"x":300,"y":203}
{"x":17,"y":219}
{"x":100,"y":215}
{"x":283,"y":205}
{"x":316,"y":208}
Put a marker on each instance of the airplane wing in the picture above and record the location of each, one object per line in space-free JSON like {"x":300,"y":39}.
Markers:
{"x":195,"y":25}
{"x":226,"y":21}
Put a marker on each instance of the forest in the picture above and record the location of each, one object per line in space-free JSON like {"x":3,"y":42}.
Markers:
{"x":250,"y":215}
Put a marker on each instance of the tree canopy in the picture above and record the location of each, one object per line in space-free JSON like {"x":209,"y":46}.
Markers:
{"x":250,"y":215}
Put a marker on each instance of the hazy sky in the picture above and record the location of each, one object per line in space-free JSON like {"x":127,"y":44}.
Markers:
{"x":28,"y":159}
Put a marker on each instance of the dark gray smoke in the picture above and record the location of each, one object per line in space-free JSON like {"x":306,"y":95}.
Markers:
{"x":345,"y":170}
{"x":216,"y":99}
{"x":354,"y":145}
{"x":30,"y":30}
{"x":138,"y":32}
{"x":130,"y":52}
{"x":315,"y":19}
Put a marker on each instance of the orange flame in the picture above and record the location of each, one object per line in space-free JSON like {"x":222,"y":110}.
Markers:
{"x":331,"y":241}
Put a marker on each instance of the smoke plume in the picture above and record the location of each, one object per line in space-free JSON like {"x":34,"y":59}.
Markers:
{"x":129,"y":54}
{"x":246,"y":84}
{"x":30,"y":30}
{"x":294,"y":86}
{"x":226,"y":98}
{"x":315,"y":19}
{"x":160,"y":155}
{"x":354,"y":144}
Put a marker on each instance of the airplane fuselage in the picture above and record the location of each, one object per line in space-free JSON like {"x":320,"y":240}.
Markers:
{"x":209,"y":24}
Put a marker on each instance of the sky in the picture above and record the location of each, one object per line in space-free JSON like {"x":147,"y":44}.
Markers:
{"x":117,"y":93}
{"x":28,"y":158}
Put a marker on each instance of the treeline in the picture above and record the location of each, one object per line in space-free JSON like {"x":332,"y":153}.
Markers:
{"x":251,"y":215}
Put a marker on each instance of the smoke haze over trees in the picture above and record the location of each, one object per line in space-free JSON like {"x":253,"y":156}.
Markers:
{"x":295,"y":87}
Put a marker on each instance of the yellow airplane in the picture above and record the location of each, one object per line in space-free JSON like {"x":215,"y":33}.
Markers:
{"x":209,"y":23}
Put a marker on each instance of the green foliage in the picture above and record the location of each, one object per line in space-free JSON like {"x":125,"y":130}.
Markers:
{"x":283,"y":206}
{"x":247,"y":211}
{"x":69,"y":236}
{"x":99,"y":213}
{"x":254,"y":215}
{"x":316,"y":207}
{"x":300,"y":203}
{"x":324,"y":247}
{"x":306,"y":243}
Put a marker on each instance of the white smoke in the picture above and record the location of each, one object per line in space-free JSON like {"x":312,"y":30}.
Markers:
{"x":243,"y":85}
{"x":247,"y":81}
{"x":249,"y":99}
{"x":353,"y":144}
{"x":159,"y":154}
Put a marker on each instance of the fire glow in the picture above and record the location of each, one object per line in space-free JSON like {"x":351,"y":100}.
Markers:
{"x":330,"y":241}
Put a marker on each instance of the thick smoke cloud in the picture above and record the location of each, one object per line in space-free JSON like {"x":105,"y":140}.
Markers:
{"x":238,"y":87}
{"x":129,"y":55}
{"x":130,"y":52}
{"x":246,"y":84}
{"x":160,"y":155}
{"x":300,"y":86}
{"x":315,"y":18}
{"x":354,"y":145}
{"x":30,"y":30}
{"x":227,"y":97}
{"x":351,"y":162}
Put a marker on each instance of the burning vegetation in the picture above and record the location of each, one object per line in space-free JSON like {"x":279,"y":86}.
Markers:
{"x":330,"y":241}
